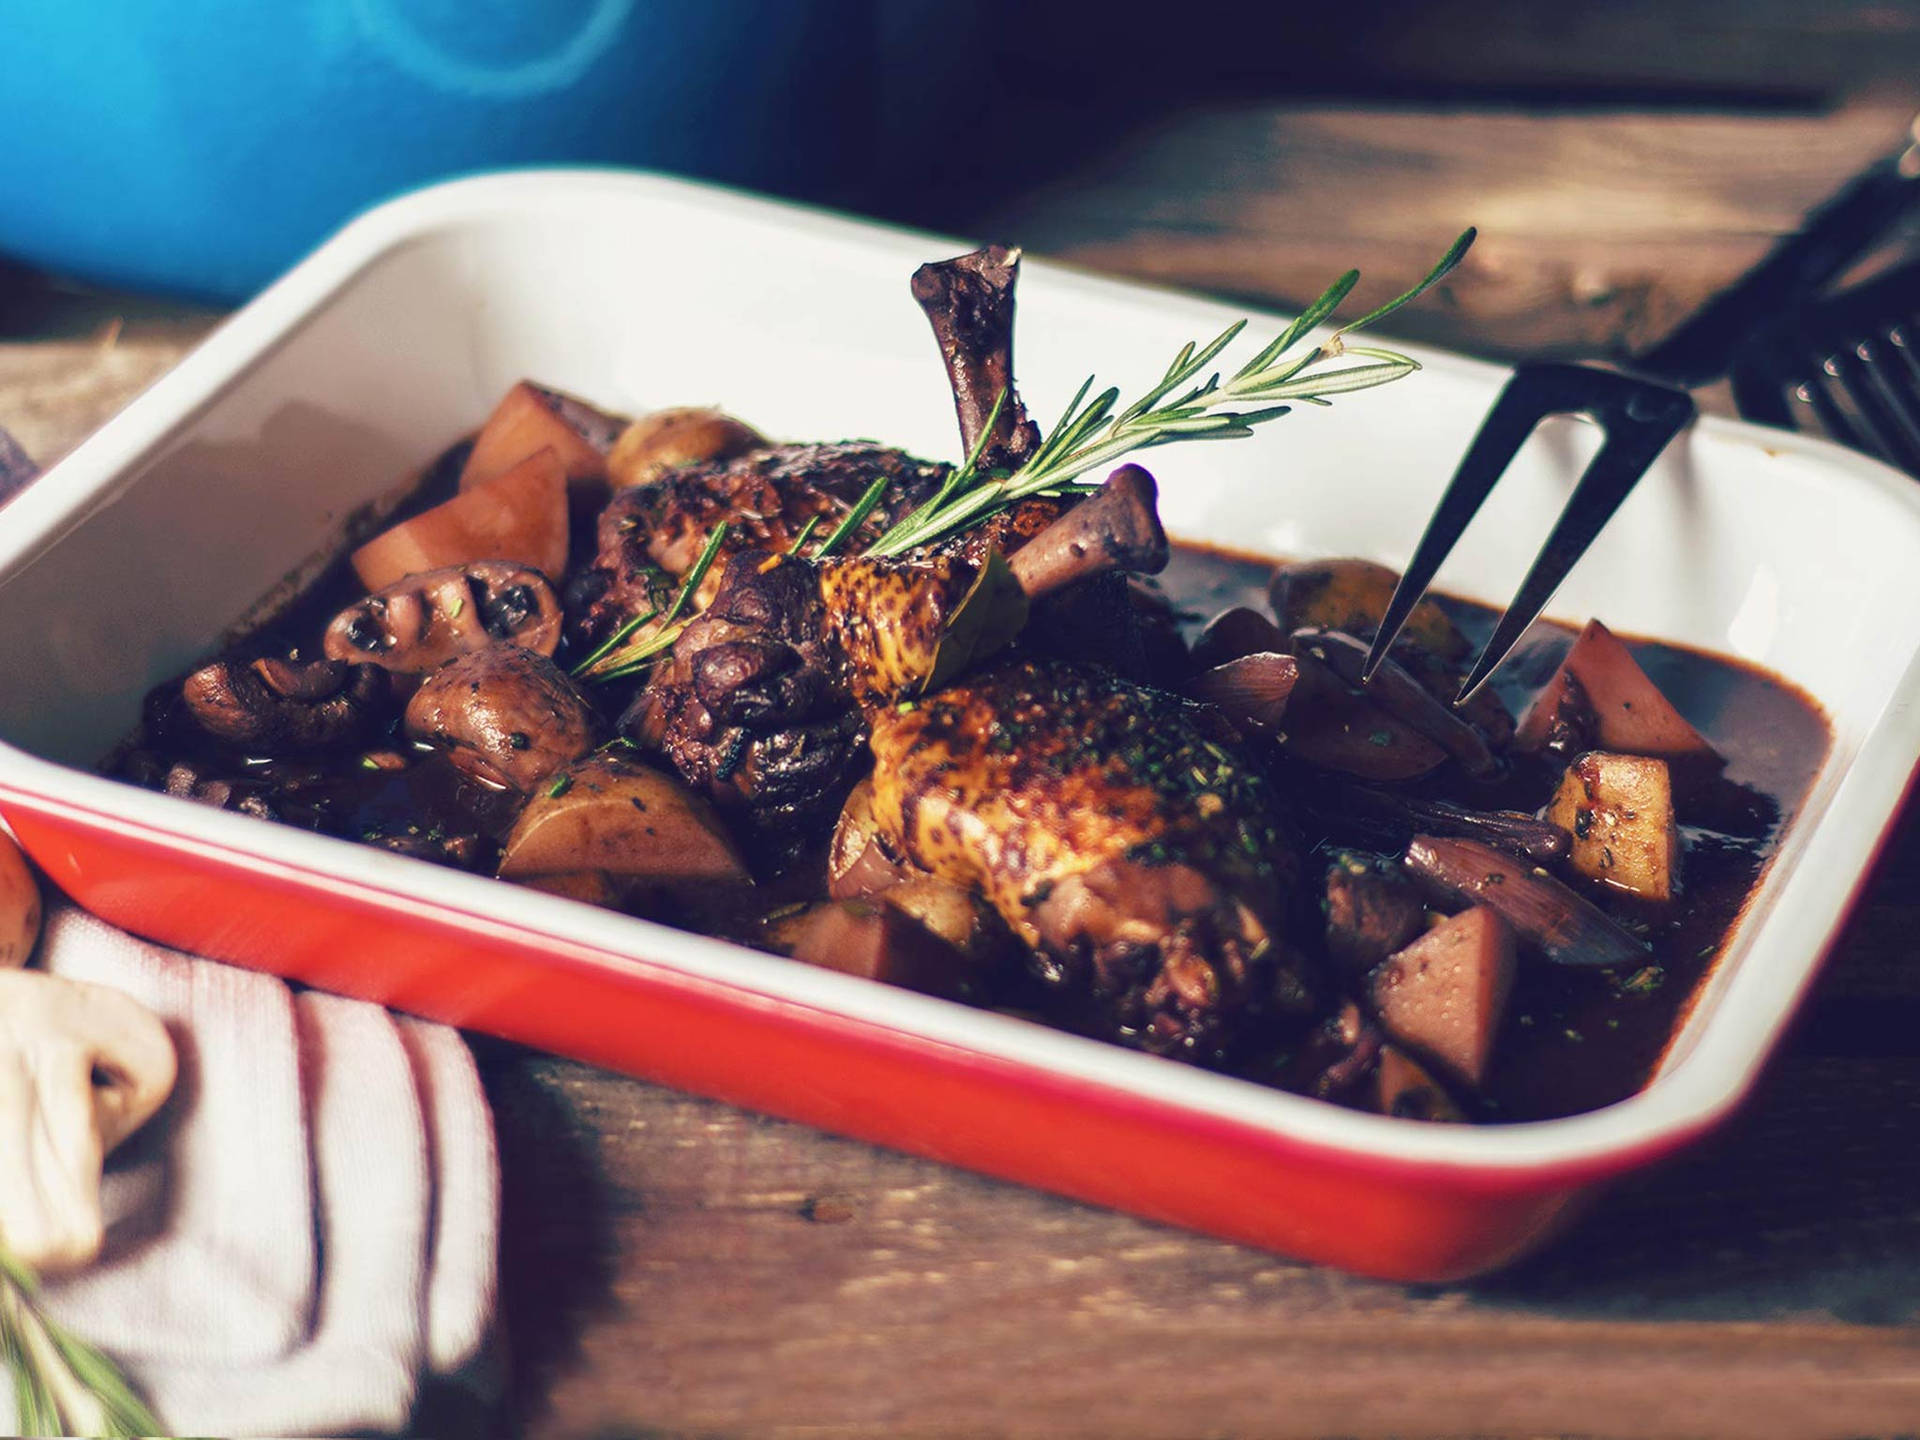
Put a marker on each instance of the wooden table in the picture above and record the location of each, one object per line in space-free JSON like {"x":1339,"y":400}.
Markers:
{"x":674,"y":1267}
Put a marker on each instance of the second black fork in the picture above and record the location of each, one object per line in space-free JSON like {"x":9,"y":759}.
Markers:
{"x":1848,"y":366}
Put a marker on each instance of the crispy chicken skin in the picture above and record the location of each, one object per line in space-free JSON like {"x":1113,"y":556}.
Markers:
{"x":758,"y":705}
{"x":1117,"y":831}
{"x":887,"y":618}
{"x":765,"y":498}
{"x":651,"y":535}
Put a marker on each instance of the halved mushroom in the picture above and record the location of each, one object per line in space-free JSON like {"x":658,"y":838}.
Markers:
{"x":1544,"y":914}
{"x":520,"y":516}
{"x":82,"y":1067}
{"x":419,"y":623}
{"x":20,"y":911}
{"x":503,"y":714}
{"x":531,"y":418}
{"x":668,"y":439}
{"x":610,"y":815}
{"x":286,"y":706}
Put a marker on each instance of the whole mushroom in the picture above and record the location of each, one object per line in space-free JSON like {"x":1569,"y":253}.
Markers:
{"x":286,"y":705}
{"x":505,"y":714}
{"x":81,"y":1068}
{"x":667,"y":439}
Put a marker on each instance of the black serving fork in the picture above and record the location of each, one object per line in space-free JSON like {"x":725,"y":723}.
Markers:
{"x":1641,"y":411}
{"x":1848,"y":365}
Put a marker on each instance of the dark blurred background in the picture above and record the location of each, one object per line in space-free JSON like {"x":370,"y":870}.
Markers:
{"x":1623,"y":157}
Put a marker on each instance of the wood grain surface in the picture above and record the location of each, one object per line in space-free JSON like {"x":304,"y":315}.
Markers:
{"x":674,"y":1267}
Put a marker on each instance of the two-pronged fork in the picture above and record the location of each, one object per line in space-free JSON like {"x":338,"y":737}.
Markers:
{"x":1874,"y":372}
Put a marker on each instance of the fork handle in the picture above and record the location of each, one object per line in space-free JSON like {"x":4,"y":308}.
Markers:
{"x":1830,"y":239}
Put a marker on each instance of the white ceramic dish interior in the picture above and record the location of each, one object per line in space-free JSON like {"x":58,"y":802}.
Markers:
{"x":133,"y":555}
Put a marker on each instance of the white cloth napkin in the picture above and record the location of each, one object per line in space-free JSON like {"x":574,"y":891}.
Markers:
{"x":309,"y":1225}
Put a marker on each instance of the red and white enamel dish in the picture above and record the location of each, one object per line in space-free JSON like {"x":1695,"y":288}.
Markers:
{"x":136,"y":553}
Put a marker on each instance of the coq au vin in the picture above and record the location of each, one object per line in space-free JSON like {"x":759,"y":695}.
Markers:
{"x":979,"y":728}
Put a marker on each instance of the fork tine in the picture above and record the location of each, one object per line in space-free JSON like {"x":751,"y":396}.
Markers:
{"x":1890,"y":369}
{"x":1508,"y":424}
{"x":1901,"y":336}
{"x":1608,"y":480}
{"x":1859,"y":377}
{"x":1839,"y":425}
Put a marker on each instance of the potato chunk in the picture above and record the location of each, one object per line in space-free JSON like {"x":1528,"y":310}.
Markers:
{"x":1404,"y":1089}
{"x":521,"y":516}
{"x":1372,"y":910}
{"x":590,"y":887}
{"x":1619,"y":810}
{"x":958,"y":916}
{"x":531,"y":418}
{"x":1600,"y":698}
{"x":1443,"y":995}
{"x":610,"y":814}
{"x":1352,"y":595}
{"x":862,"y":862}
{"x":878,"y":942}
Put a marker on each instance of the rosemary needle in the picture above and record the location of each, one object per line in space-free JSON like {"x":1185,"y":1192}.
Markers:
{"x":806,"y":533}
{"x":863,"y":507}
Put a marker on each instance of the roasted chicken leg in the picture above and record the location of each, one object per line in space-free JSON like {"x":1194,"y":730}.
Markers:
{"x":758,"y":704}
{"x":1119,"y":832}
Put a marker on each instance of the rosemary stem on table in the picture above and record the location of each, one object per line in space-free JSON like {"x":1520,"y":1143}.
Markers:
{"x":61,"y":1384}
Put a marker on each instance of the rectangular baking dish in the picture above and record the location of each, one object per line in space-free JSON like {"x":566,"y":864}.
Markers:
{"x":135,"y":554}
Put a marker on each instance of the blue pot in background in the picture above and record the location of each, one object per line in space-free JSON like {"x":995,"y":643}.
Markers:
{"x":202,"y":146}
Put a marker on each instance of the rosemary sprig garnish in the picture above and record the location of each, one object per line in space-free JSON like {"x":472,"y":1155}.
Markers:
{"x":1180,"y":407}
{"x":606,"y":647}
{"x":61,"y":1384}
{"x":614,"y":661}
